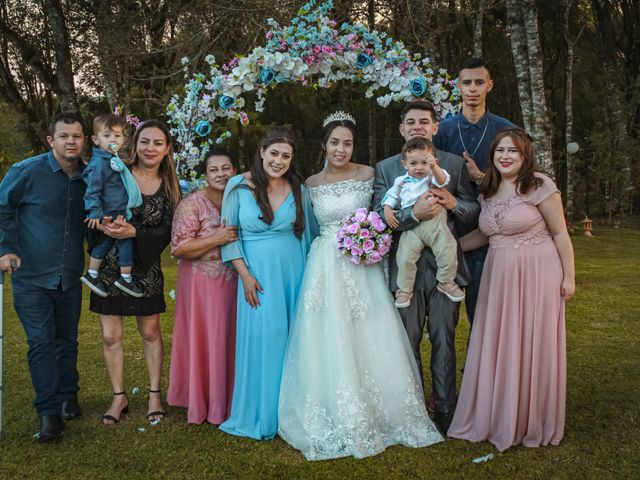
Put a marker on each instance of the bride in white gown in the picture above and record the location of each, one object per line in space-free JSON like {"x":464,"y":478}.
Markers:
{"x":350,"y":385}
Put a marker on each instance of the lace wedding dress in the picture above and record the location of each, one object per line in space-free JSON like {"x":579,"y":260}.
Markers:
{"x":350,"y":384}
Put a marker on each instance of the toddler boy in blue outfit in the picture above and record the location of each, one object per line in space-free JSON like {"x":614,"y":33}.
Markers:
{"x":111,"y":192}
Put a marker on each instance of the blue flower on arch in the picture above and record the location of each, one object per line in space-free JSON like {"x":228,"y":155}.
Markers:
{"x":202,"y":128}
{"x":267,"y":75}
{"x":363,"y":60}
{"x":226,"y":102}
{"x":418,"y":86}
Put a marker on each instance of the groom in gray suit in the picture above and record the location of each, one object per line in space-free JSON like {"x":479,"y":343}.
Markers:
{"x":419,"y":119}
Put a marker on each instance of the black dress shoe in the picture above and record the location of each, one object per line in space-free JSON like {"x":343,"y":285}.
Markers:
{"x":442,"y":421}
{"x":51,"y":427}
{"x":71,"y":409}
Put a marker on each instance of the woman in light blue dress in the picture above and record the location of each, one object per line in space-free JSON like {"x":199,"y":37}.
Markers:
{"x":269,"y":206}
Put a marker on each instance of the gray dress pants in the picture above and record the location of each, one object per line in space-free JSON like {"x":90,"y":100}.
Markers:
{"x":442,"y":320}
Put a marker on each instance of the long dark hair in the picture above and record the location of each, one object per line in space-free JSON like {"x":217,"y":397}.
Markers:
{"x":526,"y":179}
{"x":328,"y":130}
{"x":167,"y":169}
{"x":261,"y":182}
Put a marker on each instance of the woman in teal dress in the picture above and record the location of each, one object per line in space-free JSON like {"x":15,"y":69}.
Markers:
{"x":275,"y":224}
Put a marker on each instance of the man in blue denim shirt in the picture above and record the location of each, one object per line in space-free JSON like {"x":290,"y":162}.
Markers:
{"x":469,"y":134}
{"x":41,"y":244}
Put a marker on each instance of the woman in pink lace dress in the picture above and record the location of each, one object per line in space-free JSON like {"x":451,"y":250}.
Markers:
{"x":203,"y":346}
{"x":514,"y":384}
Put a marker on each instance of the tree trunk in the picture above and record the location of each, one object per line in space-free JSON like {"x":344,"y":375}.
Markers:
{"x":568,"y":130}
{"x":542,"y":124}
{"x":520,"y":60}
{"x":372,"y":102}
{"x":64,"y":70}
{"x":477,"y":29}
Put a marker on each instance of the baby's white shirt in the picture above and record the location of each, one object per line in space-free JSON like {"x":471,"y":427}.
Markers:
{"x":407,"y":189}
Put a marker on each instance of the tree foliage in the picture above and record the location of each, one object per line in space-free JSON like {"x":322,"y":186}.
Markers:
{"x":91,"y":55}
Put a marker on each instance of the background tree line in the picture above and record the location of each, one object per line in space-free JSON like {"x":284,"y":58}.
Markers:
{"x":566,"y":70}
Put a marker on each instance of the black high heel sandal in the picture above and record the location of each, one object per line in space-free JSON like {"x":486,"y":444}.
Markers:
{"x":157,"y":413}
{"x":124,"y":411}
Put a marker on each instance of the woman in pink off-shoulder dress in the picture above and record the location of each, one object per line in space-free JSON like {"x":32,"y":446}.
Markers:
{"x":203,"y":346}
{"x":514,"y":384}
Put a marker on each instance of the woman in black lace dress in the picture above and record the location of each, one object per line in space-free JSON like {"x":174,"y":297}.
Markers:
{"x":150,"y":227}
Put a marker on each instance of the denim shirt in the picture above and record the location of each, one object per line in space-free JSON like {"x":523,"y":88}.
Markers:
{"x":42,"y":221}
{"x":450,"y":139}
{"x":106,"y":194}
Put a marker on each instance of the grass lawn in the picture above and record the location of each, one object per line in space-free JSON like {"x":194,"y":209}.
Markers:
{"x":602,"y":438}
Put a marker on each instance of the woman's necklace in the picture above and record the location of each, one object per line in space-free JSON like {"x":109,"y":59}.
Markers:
{"x":479,"y":143}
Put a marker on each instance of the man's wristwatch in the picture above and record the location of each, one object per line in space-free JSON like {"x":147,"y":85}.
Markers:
{"x":478,"y":181}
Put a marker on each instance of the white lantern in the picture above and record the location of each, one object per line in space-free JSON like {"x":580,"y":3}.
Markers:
{"x":572,"y":147}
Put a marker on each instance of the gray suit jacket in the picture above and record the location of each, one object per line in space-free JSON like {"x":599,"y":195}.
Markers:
{"x":463,"y":218}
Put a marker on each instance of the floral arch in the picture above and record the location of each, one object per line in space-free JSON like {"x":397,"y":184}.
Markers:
{"x":312,"y":51}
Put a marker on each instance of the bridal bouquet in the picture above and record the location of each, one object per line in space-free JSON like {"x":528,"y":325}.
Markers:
{"x":363,"y":237}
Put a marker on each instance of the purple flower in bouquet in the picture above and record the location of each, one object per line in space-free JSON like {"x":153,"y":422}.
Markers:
{"x":373,"y":257}
{"x":360,"y":215}
{"x":363,"y":237}
{"x":378,"y":224}
{"x":368,"y":245}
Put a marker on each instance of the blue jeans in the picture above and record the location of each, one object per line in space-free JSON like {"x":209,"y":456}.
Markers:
{"x":50,"y":321}
{"x":125,"y":255}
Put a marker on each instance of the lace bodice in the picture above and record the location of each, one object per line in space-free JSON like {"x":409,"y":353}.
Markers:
{"x":516,"y":222}
{"x":333,"y":201}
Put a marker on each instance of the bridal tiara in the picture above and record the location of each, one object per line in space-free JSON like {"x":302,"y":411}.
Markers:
{"x":338,"y":117}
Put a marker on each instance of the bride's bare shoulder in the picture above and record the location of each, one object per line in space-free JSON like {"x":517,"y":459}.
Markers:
{"x":365,"y":173}
{"x":313,"y":180}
